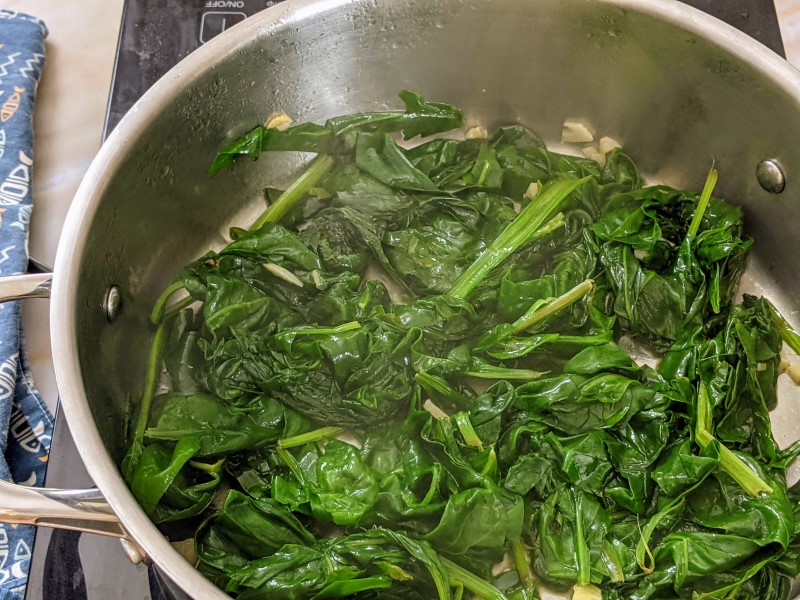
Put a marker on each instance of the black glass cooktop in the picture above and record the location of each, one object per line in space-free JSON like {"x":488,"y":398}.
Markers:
{"x":155,"y":35}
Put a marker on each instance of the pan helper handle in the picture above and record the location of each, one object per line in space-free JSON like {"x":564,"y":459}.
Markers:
{"x":76,"y":510}
{"x":21,"y":287}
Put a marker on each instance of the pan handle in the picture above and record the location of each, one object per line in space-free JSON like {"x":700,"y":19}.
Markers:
{"x":20,"y":287}
{"x":76,"y":510}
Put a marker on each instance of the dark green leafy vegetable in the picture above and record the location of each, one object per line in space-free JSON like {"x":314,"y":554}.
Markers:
{"x":515,"y":235}
{"x":668,"y":276}
{"x":415,"y":367}
{"x":220,"y":429}
{"x":419,"y":118}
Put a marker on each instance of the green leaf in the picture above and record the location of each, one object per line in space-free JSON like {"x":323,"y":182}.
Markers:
{"x":419,"y":118}
{"x":246,"y":528}
{"x":307,"y":137}
{"x":218,"y":428}
{"x":379,"y":155}
{"x":157,"y":468}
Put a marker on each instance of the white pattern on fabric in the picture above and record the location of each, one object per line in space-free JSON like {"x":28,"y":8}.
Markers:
{"x":10,"y":60}
{"x":8,"y":372}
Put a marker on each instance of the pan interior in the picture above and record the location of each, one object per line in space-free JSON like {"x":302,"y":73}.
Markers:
{"x":673,"y":98}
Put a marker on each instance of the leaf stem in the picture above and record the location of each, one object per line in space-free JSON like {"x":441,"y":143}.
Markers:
{"x":790,"y":337}
{"x":522,"y":564}
{"x":178,"y":306}
{"x":467,"y":430}
{"x":434,"y":386}
{"x":490,"y":465}
{"x":321,"y":166}
{"x":480,"y":587}
{"x":613,"y":563}
{"x":557,"y":222}
{"x":538,"y":312}
{"x":519,"y":231}
{"x":344,"y":327}
{"x":643,"y":551}
{"x":150,"y":381}
{"x":702,"y":204}
{"x":730,"y":462}
{"x":291,"y":464}
{"x":148,"y":392}
{"x":735,"y":467}
{"x":309,"y":437}
{"x":583,"y":557}
{"x":703,"y":409}
{"x":213,"y":468}
{"x":157,"y":314}
{"x":492,"y":372}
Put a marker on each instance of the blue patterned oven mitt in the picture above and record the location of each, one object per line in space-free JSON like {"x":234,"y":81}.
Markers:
{"x":25,"y":423}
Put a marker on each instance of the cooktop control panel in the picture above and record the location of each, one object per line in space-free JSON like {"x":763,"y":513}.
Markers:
{"x":157,"y":34}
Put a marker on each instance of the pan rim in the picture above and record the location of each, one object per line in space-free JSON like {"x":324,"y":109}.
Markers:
{"x":65,"y":303}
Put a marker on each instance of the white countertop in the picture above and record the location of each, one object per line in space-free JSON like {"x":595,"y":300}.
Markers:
{"x":69,"y":123}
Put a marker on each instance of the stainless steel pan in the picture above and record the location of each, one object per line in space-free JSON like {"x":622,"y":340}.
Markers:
{"x":675,"y":86}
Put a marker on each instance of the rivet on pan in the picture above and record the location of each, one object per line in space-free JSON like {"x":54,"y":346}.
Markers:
{"x":112,"y":303}
{"x":134,"y":552}
{"x":770,"y":175}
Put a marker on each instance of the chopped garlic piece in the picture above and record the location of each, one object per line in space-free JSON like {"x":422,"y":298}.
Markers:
{"x":784,"y":365}
{"x":284,"y":274}
{"x":761,"y":367}
{"x":435,"y":410}
{"x":278,"y":120}
{"x":592,"y":153}
{"x":532,"y":191}
{"x":794,"y":372}
{"x":640,"y":254}
{"x":477,"y":133}
{"x":607,"y":144}
{"x":504,"y":566}
{"x":319,"y":282}
{"x":575,"y":132}
{"x":587,"y":592}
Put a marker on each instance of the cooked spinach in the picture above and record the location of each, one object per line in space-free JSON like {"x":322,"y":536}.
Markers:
{"x":410,"y":370}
